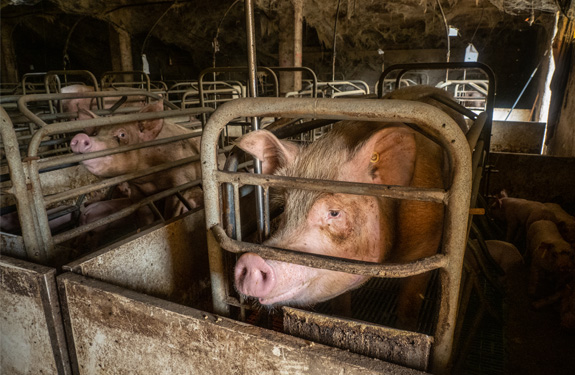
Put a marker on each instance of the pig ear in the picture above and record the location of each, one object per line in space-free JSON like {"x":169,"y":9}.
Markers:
{"x":86,"y":114}
{"x":271,"y":151}
{"x":150,"y":129}
{"x":390,"y":154}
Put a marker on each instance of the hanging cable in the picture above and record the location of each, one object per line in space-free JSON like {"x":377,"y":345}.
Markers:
{"x":334,"y":41}
{"x":65,"y":57}
{"x":215,"y":43}
{"x":153,"y":27}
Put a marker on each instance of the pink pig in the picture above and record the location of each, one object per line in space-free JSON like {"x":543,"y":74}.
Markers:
{"x":109,"y":137}
{"x":357,"y":227}
{"x":519,"y":214}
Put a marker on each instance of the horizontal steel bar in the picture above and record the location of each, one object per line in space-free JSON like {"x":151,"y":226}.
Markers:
{"x":59,"y":160}
{"x":54,"y":198}
{"x":331,"y":263}
{"x":328,"y":186}
{"x":71,"y":126}
{"x":59,"y":238}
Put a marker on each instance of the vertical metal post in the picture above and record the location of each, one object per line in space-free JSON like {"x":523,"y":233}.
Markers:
{"x":35,"y":249}
{"x":252,"y":83}
{"x":297,"y":42}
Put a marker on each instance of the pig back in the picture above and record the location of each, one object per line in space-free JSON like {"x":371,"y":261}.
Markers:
{"x":419,"y":225}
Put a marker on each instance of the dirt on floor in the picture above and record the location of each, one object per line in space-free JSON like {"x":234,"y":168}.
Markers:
{"x":535,"y":341}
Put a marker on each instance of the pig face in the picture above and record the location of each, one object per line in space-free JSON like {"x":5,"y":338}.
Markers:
{"x":339,"y":225}
{"x":109,"y":137}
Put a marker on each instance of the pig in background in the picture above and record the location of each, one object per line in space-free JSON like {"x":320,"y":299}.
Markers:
{"x":505,"y":254}
{"x":113,"y":136}
{"x":552,"y":258}
{"x":80,"y":105}
{"x":356,"y":227}
{"x":518,"y":214}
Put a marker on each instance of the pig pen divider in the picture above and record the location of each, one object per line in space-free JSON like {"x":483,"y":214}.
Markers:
{"x":27,"y":184}
{"x":433,"y":122}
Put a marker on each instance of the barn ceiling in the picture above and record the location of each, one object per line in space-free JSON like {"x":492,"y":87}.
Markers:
{"x":179,"y":34}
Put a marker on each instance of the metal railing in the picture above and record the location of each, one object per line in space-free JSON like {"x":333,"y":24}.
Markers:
{"x":25,"y":173}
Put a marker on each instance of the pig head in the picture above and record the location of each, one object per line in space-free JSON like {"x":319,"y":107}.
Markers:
{"x":365,"y":228}
{"x":113,"y":136}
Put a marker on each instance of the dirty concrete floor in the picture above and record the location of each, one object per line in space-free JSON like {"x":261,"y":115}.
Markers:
{"x":535,"y":342}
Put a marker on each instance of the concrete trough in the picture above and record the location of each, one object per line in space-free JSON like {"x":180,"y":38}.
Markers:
{"x":116,"y":330}
{"x":166,"y":261}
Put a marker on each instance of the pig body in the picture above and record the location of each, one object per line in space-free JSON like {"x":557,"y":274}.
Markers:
{"x":82,"y":104}
{"x":96,"y":210}
{"x":552,"y":258}
{"x":565,"y":222}
{"x":519,"y":214}
{"x":366,"y":228}
{"x":504,"y":253}
{"x":113,"y":136}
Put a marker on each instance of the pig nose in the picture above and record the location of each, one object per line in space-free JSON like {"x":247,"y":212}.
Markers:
{"x":81,"y":143}
{"x":253,"y":276}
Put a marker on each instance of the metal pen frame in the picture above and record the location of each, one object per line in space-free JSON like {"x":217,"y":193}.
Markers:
{"x":25,"y":175}
{"x":433,"y":122}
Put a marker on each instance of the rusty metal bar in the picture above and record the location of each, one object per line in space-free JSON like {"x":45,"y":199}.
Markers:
{"x":298,"y":69}
{"x":25,"y":99}
{"x":388,"y":191}
{"x":432,"y":121}
{"x":475,"y":131}
{"x":34,"y":245}
{"x":59,"y":238}
{"x":262,"y":217}
{"x":59,"y":160}
{"x":331,"y":263}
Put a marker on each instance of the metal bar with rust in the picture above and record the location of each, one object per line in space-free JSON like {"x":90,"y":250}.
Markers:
{"x":33,"y":244}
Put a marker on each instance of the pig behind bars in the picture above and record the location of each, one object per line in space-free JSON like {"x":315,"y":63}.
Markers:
{"x":519,"y":214}
{"x":565,"y":222}
{"x":80,"y":105}
{"x":552,"y":258}
{"x":112,"y":136}
{"x":357,"y":227}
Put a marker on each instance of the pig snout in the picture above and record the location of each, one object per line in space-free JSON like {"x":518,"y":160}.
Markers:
{"x":81,"y":143}
{"x":253,"y":276}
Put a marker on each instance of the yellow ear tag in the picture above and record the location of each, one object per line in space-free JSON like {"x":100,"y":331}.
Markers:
{"x":374,"y":157}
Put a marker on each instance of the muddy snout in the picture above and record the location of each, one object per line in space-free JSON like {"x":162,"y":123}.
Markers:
{"x":81,"y":143}
{"x":253,"y":276}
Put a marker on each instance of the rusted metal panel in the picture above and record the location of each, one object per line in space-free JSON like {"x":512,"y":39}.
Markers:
{"x":517,"y":136}
{"x":32,"y":337}
{"x":115,"y":330}
{"x":12,"y":245}
{"x":165,"y":261}
{"x":405,"y":348}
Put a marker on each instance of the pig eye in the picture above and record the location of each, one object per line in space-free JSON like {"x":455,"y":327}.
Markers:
{"x":333,"y":213}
